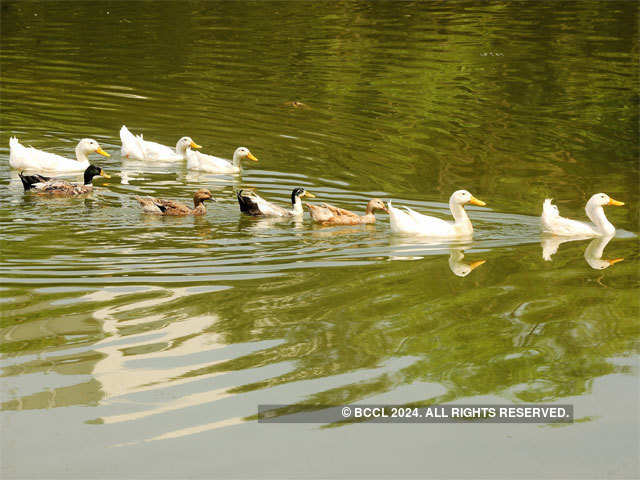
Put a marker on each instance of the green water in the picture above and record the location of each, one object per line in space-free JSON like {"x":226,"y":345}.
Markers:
{"x":136,"y":346}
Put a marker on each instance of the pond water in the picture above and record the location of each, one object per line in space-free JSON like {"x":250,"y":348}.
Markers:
{"x":138,"y":346}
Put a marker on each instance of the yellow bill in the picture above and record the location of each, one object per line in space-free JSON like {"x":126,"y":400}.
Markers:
{"x":476,"y":264}
{"x":251,"y":157}
{"x":194,"y":145}
{"x":308,"y":194}
{"x":104,"y":174}
{"x":615,"y":203}
{"x":615,"y":260}
{"x":102,"y":152}
{"x":475,"y":201}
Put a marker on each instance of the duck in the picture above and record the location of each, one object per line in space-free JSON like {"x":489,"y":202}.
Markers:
{"x":59,"y":187}
{"x":211,"y":164}
{"x":554,"y":224}
{"x":29,"y":158}
{"x":169,"y":207}
{"x":137,"y":148}
{"x":412,"y":222}
{"x":329,"y":215}
{"x":253,"y":204}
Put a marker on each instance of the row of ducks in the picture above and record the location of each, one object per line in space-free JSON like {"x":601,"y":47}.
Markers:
{"x":133,"y":147}
{"x":405,"y":221}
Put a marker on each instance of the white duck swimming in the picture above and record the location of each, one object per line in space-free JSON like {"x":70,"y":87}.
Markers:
{"x":137,"y":148}
{"x":211,"y":164}
{"x":412,"y":222}
{"x":29,"y":158}
{"x":553,"y":223}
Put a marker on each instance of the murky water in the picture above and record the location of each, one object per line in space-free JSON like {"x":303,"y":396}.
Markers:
{"x":138,"y":346}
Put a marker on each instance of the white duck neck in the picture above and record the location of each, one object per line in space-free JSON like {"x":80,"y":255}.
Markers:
{"x":185,"y":151}
{"x":297,"y":206}
{"x":460,"y":216}
{"x":81,"y":155}
{"x":236,"y":160}
{"x":596,"y":214}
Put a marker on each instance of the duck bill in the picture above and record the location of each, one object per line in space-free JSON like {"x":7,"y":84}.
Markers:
{"x":308,"y":194}
{"x":102,"y":152}
{"x":194,"y":145}
{"x":475,"y":201}
{"x":104,"y":174}
{"x":614,"y":261}
{"x":615,"y":203}
{"x":476,"y":264}
{"x":251,"y":157}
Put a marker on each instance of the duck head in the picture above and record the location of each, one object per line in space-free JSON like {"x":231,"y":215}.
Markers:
{"x":201,"y":195}
{"x":87,"y":146}
{"x":94,"y":171}
{"x":184,"y":144}
{"x":376,"y":204}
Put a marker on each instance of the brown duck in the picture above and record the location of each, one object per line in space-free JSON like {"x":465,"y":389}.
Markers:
{"x":330,"y":215}
{"x":168,"y":207}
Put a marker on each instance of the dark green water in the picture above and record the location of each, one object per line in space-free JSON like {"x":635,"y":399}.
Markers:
{"x":140,"y":347}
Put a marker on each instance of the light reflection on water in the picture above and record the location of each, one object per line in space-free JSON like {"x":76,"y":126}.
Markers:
{"x":167,"y":328}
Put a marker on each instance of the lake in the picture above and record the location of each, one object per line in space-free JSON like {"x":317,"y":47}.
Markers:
{"x":139,"y":346}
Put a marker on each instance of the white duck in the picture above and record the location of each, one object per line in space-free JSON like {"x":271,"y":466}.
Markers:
{"x":412,"y":222}
{"x":553,"y":223}
{"x":29,"y":158}
{"x":137,"y":148}
{"x":211,"y":164}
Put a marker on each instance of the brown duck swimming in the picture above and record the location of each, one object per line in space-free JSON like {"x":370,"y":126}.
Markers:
{"x":59,"y":187}
{"x":168,"y":207}
{"x":330,"y":215}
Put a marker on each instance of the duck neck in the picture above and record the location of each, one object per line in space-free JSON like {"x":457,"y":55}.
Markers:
{"x":198,"y":206}
{"x":296,"y":205}
{"x":599,"y":219}
{"x":81,"y":155}
{"x":460,"y":216}
{"x":236,"y":159}
{"x":183,"y":152}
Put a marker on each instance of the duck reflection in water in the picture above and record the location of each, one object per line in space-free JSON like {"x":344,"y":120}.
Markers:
{"x":460,"y":268}
{"x":406,"y":250}
{"x":592,"y":254}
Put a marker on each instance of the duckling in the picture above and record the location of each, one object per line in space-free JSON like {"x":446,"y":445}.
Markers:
{"x":253,"y":204}
{"x":168,"y":207}
{"x":56,"y":186}
{"x":329,"y":215}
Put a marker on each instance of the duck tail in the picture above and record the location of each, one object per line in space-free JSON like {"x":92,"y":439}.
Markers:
{"x":247,"y":204}
{"x":28,"y":181}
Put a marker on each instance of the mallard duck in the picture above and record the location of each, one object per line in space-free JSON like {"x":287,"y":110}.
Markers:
{"x":137,"y":148}
{"x":29,"y":158}
{"x":553,"y":223}
{"x":211,"y":164}
{"x":412,"y":222}
{"x":169,"y":207}
{"x":57,"y":186}
{"x":330,"y":215}
{"x":253,"y":204}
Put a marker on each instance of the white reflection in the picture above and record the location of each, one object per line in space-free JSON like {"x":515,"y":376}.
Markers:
{"x":592,"y":254}
{"x":460,"y":268}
